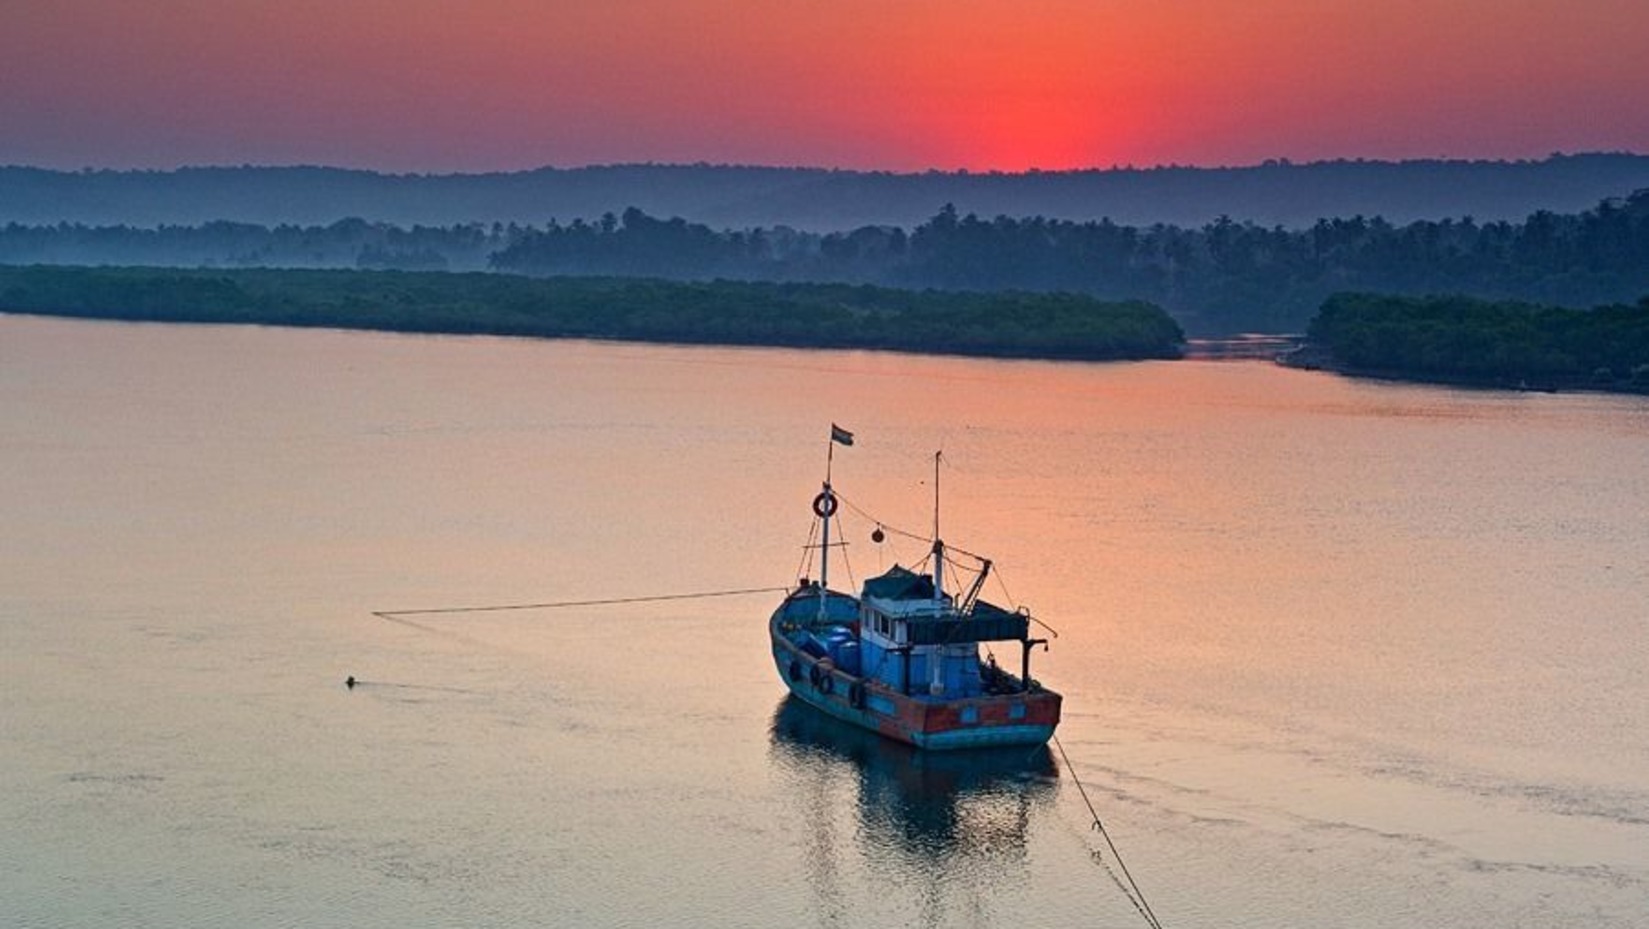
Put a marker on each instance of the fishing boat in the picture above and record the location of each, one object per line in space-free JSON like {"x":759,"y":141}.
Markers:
{"x":902,"y":657}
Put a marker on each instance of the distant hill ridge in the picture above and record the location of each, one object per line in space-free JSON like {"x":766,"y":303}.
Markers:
{"x":1274,"y":193}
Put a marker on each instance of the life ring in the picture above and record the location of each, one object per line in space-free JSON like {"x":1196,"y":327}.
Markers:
{"x":795,"y":670}
{"x":824,"y":505}
{"x":856,"y":694}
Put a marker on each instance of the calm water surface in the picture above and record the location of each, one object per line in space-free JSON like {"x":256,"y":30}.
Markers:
{"x":1334,"y":653}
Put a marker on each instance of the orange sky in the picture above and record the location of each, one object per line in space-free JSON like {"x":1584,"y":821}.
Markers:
{"x":442,"y":85}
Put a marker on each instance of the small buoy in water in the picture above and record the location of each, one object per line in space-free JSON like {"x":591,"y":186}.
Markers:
{"x":878,"y":535}
{"x":350,"y":682}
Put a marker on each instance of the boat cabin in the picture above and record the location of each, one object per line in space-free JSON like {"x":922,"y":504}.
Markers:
{"x":914,"y":639}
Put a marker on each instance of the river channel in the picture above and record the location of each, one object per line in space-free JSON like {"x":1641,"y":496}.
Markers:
{"x":1335,"y":653}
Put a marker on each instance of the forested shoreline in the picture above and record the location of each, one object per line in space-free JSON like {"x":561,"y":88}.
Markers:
{"x":1010,"y":324}
{"x":1443,"y":339}
{"x":1484,"y":342}
{"x":1223,"y":278}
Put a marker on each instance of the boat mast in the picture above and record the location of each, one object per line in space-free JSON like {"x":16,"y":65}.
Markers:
{"x":824,"y":548}
{"x":936,"y":653}
{"x":938,"y":545}
{"x":825,"y":507}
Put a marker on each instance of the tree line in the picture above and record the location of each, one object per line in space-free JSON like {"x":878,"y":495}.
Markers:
{"x":1503,"y":342}
{"x":1222,"y":277}
{"x":747,"y":196}
{"x":1015,"y":324}
{"x":347,"y":243}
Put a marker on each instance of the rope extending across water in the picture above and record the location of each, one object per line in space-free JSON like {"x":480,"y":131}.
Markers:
{"x":1127,"y":884}
{"x":559,"y":604}
{"x":1131,"y":888}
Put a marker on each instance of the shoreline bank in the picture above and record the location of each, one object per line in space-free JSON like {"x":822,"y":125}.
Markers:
{"x":1055,"y":327}
{"x":1312,"y":357}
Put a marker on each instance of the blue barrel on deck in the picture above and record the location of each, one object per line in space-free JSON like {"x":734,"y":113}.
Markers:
{"x":812,"y":646}
{"x":847,"y":656}
{"x":834,"y":639}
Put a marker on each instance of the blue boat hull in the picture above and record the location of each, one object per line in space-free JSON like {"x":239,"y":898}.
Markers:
{"x":984,"y":737}
{"x":938,"y":724}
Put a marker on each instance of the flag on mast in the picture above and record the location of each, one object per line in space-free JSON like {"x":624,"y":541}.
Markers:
{"x":838,"y":434}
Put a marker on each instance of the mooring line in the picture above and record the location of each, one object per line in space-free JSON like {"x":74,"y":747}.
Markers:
{"x":1136,"y":896}
{"x":395,"y":615}
{"x":353,"y":682}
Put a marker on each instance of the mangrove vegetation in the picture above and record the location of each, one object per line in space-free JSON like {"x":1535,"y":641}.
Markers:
{"x":1009,"y":324}
{"x":1501,"y":342}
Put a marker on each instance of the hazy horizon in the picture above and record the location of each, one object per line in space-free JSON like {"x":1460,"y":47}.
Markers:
{"x":506,"y":85}
{"x":843,"y":169}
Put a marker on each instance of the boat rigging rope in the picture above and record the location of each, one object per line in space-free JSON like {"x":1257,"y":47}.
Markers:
{"x":996,"y":572}
{"x":924,"y":539}
{"x":1131,"y":888}
{"x":1002,"y":582}
{"x":852,"y":582}
{"x":887,"y":526}
{"x":396,"y":614}
{"x":805,"y":569}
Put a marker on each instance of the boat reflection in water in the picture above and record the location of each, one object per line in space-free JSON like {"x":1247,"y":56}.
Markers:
{"x":952,"y":821}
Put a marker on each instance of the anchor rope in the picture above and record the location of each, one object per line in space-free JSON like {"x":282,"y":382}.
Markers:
{"x":559,"y":604}
{"x":1131,"y":890}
